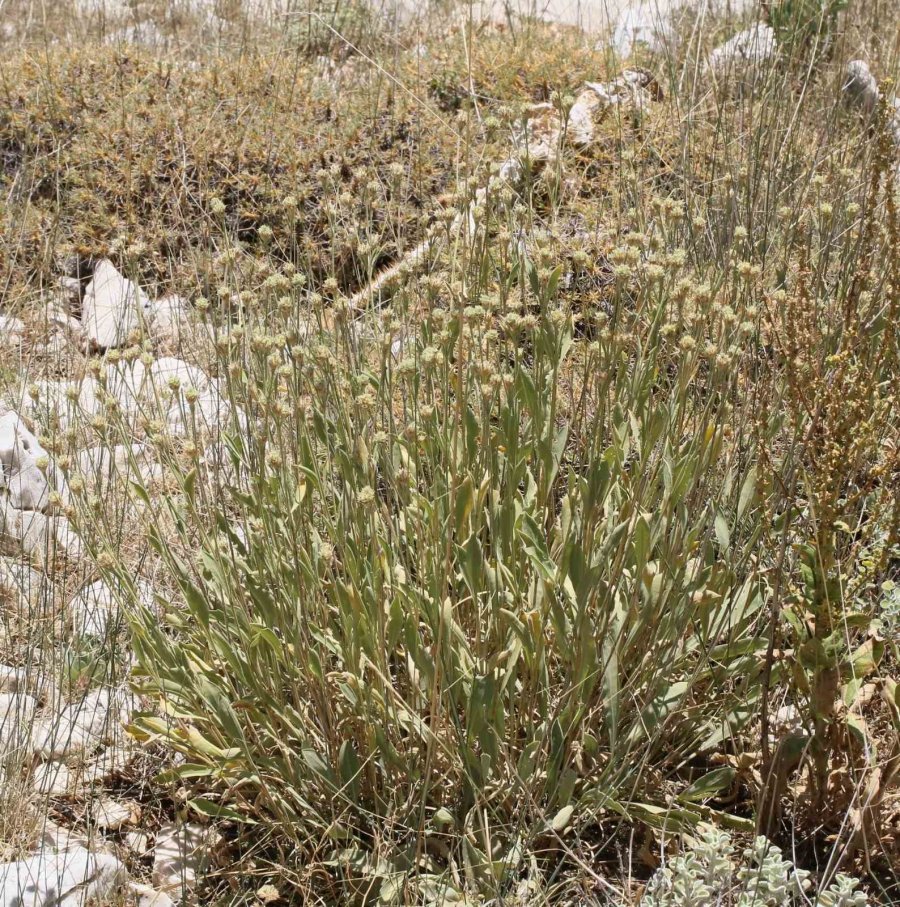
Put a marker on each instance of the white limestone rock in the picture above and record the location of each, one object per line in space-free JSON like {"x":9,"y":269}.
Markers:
{"x":66,"y":403}
{"x":150,"y":898}
{"x":743,"y":58}
{"x":103,"y":468}
{"x":135,"y":385}
{"x":74,"y":878}
{"x":17,"y":711}
{"x":82,"y":726}
{"x":58,"y":737}
{"x":38,"y":535}
{"x":53,"y":779}
{"x":59,"y":839}
{"x":111,"y":8}
{"x":26,"y":587}
{"x":12,"y":331}
{"x":154,"y":392}
{"x":861,"y":91}
{"x":138,"y":842}
{"x":92,"y":609}
{"x":113,"y":760}
{"x":57,"y":315}
{"x":860,"y":87}
{"x":143,"y":34}
{"x":167,"y":317}
{"x":27,"y":472}
{"x":101,"y":462}
{"x":18,"y":708}
{"x":32,"y":679}
{"x":110,"y":307}
{"x":180,"y":856}
{"x":101,"y":713}
{"x":95,"y":609}
{"x":641,"y":24}
{"x":28,"y":489}
{"x":208,"y":413}
{"x":108,"y":814}
{"x":59,"y":350}
{"x":169,"y":369}
{"x":160,"y":390}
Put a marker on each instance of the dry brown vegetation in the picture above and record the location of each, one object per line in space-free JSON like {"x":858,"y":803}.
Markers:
{"x":583,"y":534}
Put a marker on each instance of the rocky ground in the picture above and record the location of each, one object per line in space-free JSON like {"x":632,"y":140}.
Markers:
{"x":64,"y":696}
{"x":63,"y":707}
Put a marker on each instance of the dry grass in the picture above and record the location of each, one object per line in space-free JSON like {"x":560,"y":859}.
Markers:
{"x":689,"y":303}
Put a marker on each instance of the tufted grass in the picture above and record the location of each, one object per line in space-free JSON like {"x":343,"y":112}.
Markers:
{"x":485,"y":591}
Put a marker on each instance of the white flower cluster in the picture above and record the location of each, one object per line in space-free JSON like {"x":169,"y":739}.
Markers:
{"x":707,"y":876}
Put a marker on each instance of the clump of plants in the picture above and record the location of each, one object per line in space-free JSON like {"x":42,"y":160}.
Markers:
{"x":127,"y":153}
{"x":491,"y":572}
{"x":476,"y":584}
{"x":707,"y":874}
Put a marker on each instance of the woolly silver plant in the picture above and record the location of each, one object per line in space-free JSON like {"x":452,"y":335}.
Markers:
{"x":706,"y":875}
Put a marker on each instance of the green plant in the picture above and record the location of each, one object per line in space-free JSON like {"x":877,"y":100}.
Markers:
{"x":706,"y":874}
{"x":806,"y":27}
{"x":840,"y":396}
{"x":472,"y":589}
{"x":85,"y":663}
{"x":324,"y":26}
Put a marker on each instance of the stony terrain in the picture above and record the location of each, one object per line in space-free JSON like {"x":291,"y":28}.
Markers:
{"x":116,"y":379}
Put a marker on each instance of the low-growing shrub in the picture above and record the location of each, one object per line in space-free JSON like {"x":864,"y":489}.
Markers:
{"x":706,"y":874}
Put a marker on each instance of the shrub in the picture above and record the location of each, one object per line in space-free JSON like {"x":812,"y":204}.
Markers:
{"x":461,"y":594}
{"x":706,"y":874}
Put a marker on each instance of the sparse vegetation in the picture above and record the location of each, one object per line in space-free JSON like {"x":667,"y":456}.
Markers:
{"x":575,"y":543}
